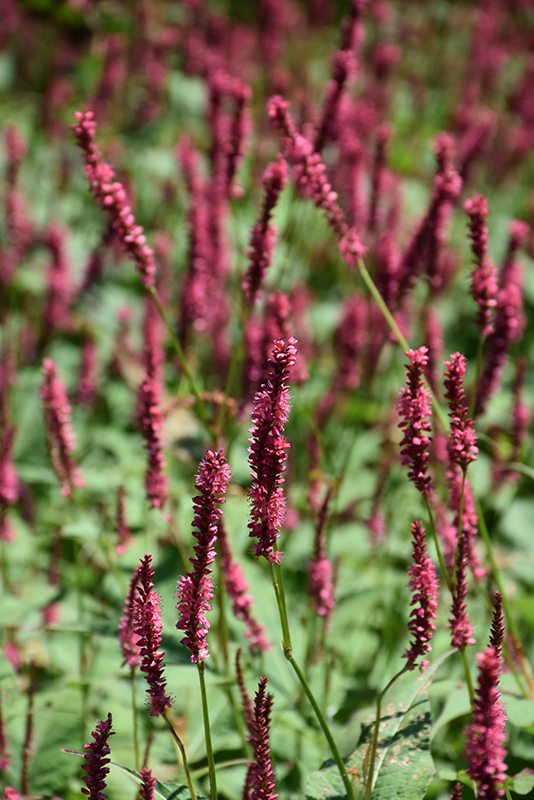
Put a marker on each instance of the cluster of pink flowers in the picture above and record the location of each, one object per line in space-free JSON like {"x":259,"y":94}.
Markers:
{"x":485,"y":749}
{"x":462,"y":439}
{"x":268,"y":451}
{"x":195,"y":589}
{"x":424,"y":585}
{"x":484,"y":276}
{"x":263,"y":235}
{"x":57,"y":414}
{"x":147,"y":628}
{"x":110,"y":194}
{"x":414,"y":408}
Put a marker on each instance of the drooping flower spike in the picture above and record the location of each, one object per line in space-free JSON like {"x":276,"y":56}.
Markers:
{"x":195,"y":590}
{"x":147,"y":627}
{"x":268,"y":451}
{"x":424,"y":585}
{"x":414,"y":408}
{"x":96,"y":761}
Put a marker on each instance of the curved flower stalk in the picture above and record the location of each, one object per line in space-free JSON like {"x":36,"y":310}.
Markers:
{"x":268,"y":451}
{"x":195,"y":590}
{"x":96,"y":761}
{"x":57,"y":412}
{"x":424,"y":585}
{"x":414,"y":408}
{"x":110,"y":194}
{"x":485,"y":749}
{"x":147,"y":628}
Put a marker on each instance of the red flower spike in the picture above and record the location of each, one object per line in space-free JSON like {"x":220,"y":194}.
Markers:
{"x":424,"y":585}
{"x":497,"y":625}
{"x":58,"y":427}
{"x":96,"y":761}
{"x":414,"y":408}
{"x":268,"y":451}
{"x":147,"y":628}
{"x":461,"y":628}
{"x":262,"y":775}
{"x":320,"y":572}
{"x":484,"y":275}
{"x":195,"y":589}
{"x":485,"y":749}
{"x":462,"y":438}
{"x":148,"y":783}
{"x":128,"y":639}
{"x":111,"y":196}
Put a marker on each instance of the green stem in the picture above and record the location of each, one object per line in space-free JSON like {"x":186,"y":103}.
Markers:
{"x":374,"y":745}
{"x":134,"y":714}
{"x":438,"y":548}
{"x":183,"y":361}
{"x":468,"y":679}
{"x":207,"y":732}
{"x":181,"y":748}
{"x":278,"y":585}
{"x":388,"y":316}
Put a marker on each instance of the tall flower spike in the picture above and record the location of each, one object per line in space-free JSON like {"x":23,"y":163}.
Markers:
{"x":320,"y":572}
{"x":263,"y":235}
{"x":414,"y":408}
{"x":58,"y":428}
{"x":148,"y":783}
{"x":268,"y":451}
{"x":460,"y":626}
{"x":485,"y":749}
{"x":484,"y":275}
{"x":195,"y":589}
{"x":497,"y":625}
{"x":150,"y":421}
{"x":96,"y":761}
{"x":462,"y":439}
{"x":263,"y":774}
{"x":147,"y":627}
{"x":111,"y":196}
{"x":424,"y":585}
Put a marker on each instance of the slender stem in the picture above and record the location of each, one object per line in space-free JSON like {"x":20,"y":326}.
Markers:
{"x":468,"y":679}
{"x":374,"y":745}
{"x":181,"y":748}
{"x":388,"y":316}
{"x":438,"y":547}
{"x":183,"y":361}
{"x":288,"y":652}
{"x":207,"y":731}
{"x":134,"y":715}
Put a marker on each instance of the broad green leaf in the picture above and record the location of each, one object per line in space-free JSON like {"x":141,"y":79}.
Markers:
{"x":57,"y":721}
{"x":456,"y":705}
{"x":523,"y":782}
{"x":519,"y":711}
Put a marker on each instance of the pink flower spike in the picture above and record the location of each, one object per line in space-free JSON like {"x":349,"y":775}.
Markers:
{"x":150,"y":421}
{"x":462,"y":439}
{"x":320,"y":572}
{"x":424,"y":585}
{"x":414,"y":408}
{"x":59,"y":431}
{"x":484,"y":275}
{"x":460,"y":626}
{"x":148,"y":783}
{"x":263,"y":775}
{"x":268,"y":451}
{"x":96,"y":761}
{"x":497,"y":625}
{"x":195,"y":589}
{"x":147,"y":628}
{"x":111,"y":196}
{"x":485,"y":749}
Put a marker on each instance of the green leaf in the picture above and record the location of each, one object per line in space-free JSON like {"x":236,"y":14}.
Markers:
{"x":456,"y":705}
{"x":523,"y":782}
{"x":519,"y":711}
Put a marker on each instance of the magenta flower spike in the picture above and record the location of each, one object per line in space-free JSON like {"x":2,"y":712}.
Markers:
{"x":263,"y":235}
{"x":320,"y":571}
{"x":96,"y":761}
{"x":237,"y":589}
{"x":57,"y":413}
{"x":128,"y":639}
{"x":462,"y":438}
{"x":148,"y":783}
{"x":343,"y":67}
{"x":261,"y":776}
{"x":147,"y":628}
{"x":486,"y":736}
{"x":459,"y":624}
{"x":424,"y":585}
{"x":150,"y":420}
{"x":111,"y":196}
{"x":268,"y":451}
{"x":414,"y":407}
{"x":195,"y":590}
{"x":59,"y":291}
{"x":484,"y":275}
{"x":497,"y":625}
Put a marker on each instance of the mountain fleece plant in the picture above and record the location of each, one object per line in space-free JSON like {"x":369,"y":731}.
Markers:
{"x":266,"y":382}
